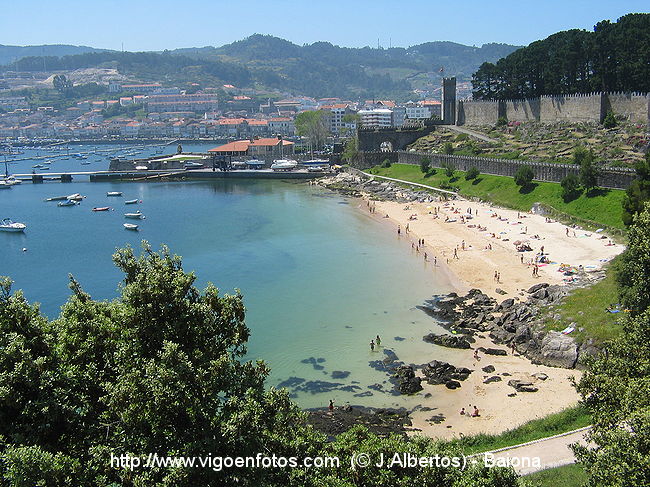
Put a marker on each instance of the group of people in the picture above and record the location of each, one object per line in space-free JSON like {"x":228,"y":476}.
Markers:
{"x":375,"y":342}
{"x":473,"y":414}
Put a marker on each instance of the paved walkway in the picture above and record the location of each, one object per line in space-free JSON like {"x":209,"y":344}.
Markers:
{"x":552,"y":452}
{"x":410,"y":183}
{"x":472,"y":133}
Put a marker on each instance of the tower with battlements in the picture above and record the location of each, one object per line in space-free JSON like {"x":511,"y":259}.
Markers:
{"x":449,"y":101}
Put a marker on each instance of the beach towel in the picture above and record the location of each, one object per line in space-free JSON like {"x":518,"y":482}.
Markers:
{"x":567,"y":330}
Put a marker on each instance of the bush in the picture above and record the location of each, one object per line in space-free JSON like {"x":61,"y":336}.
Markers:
{"x":425,"y":165}
{"x":472,"y":173}
{"x":502,"y":122}
{"x":386,"y":163}
{"x":610,"y":120}
{"x":461,"y":137}
{"x":449,"y":148}
{"x":570,"y":187}
{"x":524,"y":176}
{"x":581,"y":154}
{"x":449,"y":168}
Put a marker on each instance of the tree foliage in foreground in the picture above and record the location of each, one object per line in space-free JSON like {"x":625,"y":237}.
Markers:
{"x":639,"y":191}
{"x":160,"y":370}
{"x":616,"y":386}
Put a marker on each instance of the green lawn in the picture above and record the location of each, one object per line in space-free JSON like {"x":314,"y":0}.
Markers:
{"x":567,"y":476}
{"x":586,"y":307}
{"x":603,"y":208}
{"x":567,"y":420}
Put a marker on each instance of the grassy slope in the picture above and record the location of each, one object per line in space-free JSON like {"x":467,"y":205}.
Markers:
{"x":567,"y":420}
{"x":604,"y":208}
{"x":567,"y":476}
{"x":586,"y":307}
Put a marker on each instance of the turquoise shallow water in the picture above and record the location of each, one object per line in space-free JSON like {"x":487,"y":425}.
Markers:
{"x":320,"y":278}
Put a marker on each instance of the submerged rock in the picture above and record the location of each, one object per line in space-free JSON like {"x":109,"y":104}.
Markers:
{"x":450,"y":341}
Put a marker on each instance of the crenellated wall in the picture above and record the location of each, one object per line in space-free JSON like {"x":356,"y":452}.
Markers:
{"x":591,"y":107}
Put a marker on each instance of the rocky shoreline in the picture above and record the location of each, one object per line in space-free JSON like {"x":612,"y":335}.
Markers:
{"x":514,"y":322}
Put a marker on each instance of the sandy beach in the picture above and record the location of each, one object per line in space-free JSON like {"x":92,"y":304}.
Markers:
{"x":473,"y":241}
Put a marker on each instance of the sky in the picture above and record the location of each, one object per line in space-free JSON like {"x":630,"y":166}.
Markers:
{"x":144,"y":25}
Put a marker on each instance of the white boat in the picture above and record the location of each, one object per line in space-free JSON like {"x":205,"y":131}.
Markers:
{"x":67,"y":203}
{"x":8,"y":225}
{"x":137,"y":215}
{"x":141,"y":168}
{"x":74,"y":197}
{"x":131,"y":202}
{"x":114,"y":193}
{"x":4,"y":185}
{"x":283,"y":165}
{"x":130,"y":226}
{"x":11,"y":181}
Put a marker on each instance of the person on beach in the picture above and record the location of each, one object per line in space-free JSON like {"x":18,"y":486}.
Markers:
{"x":331,"y":406}
{"x":378,"y":339}
{"x":495,"y":276}
{"x":435,"y":261}
{"x":399,"y":229}
{"x":462,"y":412}
{"x":475,"y":413}
{"x":476,"y":357}
{"x":567,"y":231}
{"x":407,"y":228}
{"x":498,"y":278}
{"x":425,"y":256}
{"x":372,"y":345}
{"x":455,"y":253}
{"x":512,"y":347}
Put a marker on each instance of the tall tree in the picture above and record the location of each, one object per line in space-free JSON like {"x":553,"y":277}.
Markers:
{"x":312,"y":124}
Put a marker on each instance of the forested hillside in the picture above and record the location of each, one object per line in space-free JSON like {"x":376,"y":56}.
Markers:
{"x":266,"y":62}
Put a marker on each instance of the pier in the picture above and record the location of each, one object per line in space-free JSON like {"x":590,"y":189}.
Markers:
{"x":194,"y":174}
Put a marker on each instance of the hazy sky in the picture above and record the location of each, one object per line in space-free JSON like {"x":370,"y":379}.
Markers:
{"x":167,"y":24}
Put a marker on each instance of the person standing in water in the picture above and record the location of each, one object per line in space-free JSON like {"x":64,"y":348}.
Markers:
{"x":372,"y":345}
{"x":378,"y":340}
{"x":331,"y":406}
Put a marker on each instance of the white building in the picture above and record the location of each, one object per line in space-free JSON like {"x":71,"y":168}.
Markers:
{"x":418,"y":112}
{"x":379,"y":117}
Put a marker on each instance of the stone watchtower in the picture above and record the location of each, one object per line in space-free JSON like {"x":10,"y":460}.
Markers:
{"x":449,"y":101}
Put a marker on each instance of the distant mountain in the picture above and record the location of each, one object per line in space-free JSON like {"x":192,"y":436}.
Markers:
{"x":9,"y":54}
{"x":319,"y":69}
{"x":322,"y":68}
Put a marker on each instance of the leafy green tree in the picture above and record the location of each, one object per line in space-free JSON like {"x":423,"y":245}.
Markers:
{"x":570,"y":187}
{"x":610,"y":120}
{"x":588,"y":173}
{"x":448,"y":148}
{"x":425,"y":164}
{"x":472,"y":173}
{"x":62,"y":84}
{"x":311,"y":124}
{"x":351,"y":150}
{"x":158,"y":370}
{"x":616,"y":391}
{"x":639,"y":191}
{"x":580,"y":154}
{"x":524,"y":176}
{"x":632,"y":276}
{"x":449,"y":168}
{"x":386,"y":163}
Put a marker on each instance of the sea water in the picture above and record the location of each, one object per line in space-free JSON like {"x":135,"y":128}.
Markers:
{"x":320,"y":278}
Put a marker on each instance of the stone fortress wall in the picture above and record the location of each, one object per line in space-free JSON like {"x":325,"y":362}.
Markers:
{"x":591,"y":107}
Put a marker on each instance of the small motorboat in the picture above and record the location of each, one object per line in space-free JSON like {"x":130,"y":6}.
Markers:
{"x":85,"y":163}
{"x":75,"y":197}
{"x":114,"y":193}
{"x":67,"y":203}
{"x":56,"y":198}
{"x":37,"y":166}
{"x":131,"y":202}
{"x":137,"y":215}
{"x":8,"y":225}
{"x":130,"y":226}
{"x":45,"y":168}
{"x":11,"y":181}
{"x":102,"y":208}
